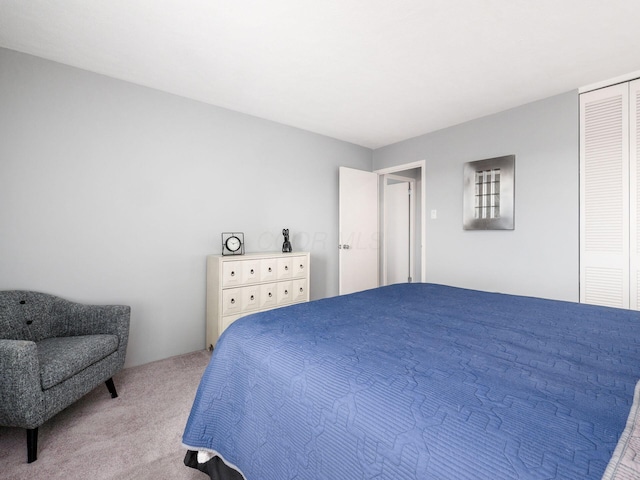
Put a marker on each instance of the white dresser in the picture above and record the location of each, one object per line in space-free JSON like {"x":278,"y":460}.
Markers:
{"x":239,"y":285}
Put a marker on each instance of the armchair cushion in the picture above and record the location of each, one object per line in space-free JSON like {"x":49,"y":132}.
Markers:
{"x":61,"y":358}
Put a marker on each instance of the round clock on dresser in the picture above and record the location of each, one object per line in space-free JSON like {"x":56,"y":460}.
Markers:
{"x":232,"y":243}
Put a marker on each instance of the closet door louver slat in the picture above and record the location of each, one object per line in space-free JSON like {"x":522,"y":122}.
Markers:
{"x":604,"y":197}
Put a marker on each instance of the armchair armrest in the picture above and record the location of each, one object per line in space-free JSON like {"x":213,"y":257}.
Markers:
{"x":21,"y":397}
{"x":84,"y":319}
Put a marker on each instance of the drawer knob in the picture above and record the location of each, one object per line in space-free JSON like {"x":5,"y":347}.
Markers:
{"x":270,"y":294}
{"x":252,"y":297}
{"x":252,"y":271}
{"x":286,"y":292}
{"x":233,"y":273}
{"x":269,"y":269}
{"x":286,"y":267}
{"x":301,"y":290}
{"x":233,"y":300}
{"x":301,"y":267}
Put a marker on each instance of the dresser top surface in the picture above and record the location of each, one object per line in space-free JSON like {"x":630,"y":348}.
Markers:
{"x":259,"y":255}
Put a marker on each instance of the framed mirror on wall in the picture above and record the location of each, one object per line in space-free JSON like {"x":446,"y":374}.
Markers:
{"x":488,"y":202}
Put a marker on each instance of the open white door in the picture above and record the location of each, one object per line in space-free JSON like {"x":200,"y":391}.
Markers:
{"x":358,"y":219}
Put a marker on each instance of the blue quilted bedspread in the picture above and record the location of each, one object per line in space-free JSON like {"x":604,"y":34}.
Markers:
{"x":420,"y":381}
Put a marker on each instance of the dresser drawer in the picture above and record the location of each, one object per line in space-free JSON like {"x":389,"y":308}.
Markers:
{"x":268,"y":269}
{"x":268,"y":295}
{"x":285,"y":268}
{"x":299,"y":266}
{"x":250,"y":271}
{"x":231,"y":301}
{"x":228,"y":320}
{"x":231,"y":274}
{"x":299,"y":290}
{"x":284,"y":292}
{"x":250,"y":298}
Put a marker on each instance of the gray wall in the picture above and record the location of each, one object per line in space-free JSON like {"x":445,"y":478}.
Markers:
{"x":539,"y":257}
{"x":115,"y":193}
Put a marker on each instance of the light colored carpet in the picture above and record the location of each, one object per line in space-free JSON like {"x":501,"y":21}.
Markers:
{"x":135,"y":436}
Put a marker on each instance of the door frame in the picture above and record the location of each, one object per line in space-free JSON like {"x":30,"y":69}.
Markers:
{"x":412,"y":223}
{"x":397,"y":169}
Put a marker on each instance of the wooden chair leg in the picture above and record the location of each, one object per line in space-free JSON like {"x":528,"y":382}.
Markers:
{"x":32,"y":444}
{"x":112,"y":388}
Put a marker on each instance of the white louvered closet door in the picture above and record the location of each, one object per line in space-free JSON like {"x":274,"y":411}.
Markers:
{"x":634,"y":182}
{"x":604,"y":197}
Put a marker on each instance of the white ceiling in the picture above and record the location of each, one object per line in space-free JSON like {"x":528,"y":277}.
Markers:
{"x":371,"y":72}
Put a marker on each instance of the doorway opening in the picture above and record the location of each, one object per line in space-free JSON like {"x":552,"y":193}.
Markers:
{"x":402,"y":204}
{"x":398,"y":226}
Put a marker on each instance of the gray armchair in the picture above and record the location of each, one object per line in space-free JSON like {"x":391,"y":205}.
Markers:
{"x":52,"y":352}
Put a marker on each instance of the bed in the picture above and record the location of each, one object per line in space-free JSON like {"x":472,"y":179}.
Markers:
{"x":420,"y":381}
